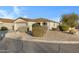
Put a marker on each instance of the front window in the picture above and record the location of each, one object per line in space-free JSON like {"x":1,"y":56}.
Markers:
{"x":38,"y":23}
{"x":44,"y":24}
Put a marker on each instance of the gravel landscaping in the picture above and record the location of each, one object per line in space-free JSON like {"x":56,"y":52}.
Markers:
{"x":61,"y":36}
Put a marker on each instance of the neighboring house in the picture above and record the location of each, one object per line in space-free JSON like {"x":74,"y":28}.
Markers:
{"x":6,"y":23}
{"x":26,"y":22}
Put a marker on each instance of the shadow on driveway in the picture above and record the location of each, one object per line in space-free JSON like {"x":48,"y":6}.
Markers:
{"x":2,"y":34}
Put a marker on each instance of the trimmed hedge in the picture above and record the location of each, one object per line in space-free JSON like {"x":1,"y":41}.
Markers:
{"x":63,"y":27}
{"x":39,"y":31}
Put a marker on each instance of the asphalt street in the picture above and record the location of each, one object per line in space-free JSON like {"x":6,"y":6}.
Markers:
{"x":9,"y":45}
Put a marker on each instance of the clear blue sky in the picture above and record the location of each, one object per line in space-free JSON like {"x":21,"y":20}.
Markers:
{"x":50,"y":12}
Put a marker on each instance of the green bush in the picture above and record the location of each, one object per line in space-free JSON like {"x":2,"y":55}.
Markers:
{"x":3,"y":28}
{"x":63,"y":27}
{"x":39,"y":31}
{"x":22,"y":29}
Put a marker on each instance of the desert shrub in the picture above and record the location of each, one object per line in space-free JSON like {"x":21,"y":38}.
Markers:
{"x":3,"y":28}
{"x":72,"y":31}
{"x":63,"y":27}
{"x":22,"y":29}
{"x":39,"y":31}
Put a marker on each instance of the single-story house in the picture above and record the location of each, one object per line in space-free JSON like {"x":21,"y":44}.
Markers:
{"x":26,"y":22}
{"x":6,"y":23}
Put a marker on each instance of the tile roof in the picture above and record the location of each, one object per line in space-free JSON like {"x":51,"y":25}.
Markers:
{"x":41,"y":20}
{"x":25,"y":20}
{"x":6,"y":20}
{"x":35,"y":20}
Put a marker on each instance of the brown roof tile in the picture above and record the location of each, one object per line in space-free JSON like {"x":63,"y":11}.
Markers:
{"x":6,"y":20}
{"x":34,"y":20}
{"x":25,"y":19}
{"x":41,"y":20}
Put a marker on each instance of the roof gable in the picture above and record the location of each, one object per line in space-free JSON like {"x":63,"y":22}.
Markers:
{"x":20,"y":21}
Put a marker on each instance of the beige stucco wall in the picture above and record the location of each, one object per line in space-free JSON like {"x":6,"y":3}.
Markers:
{"x":19,"y":23}
{"x":20,"y":20}
{"x":8,"y":25}
{"x":30,"y":25}
{"x":52,"y":25}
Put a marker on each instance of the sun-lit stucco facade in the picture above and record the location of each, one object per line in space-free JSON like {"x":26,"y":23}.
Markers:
{"x":22,"y":22}
{"x":52,"y":25}
{"x":8,"y":25}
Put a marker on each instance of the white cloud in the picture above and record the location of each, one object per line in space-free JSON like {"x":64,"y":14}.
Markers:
{"x":25,"y":16}
{"x":4,"y":14}
{"x":16,"y":12}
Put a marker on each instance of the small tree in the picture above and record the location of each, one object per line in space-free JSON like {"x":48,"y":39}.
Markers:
{"x":70,"y":20}
{"x":63,"y":27}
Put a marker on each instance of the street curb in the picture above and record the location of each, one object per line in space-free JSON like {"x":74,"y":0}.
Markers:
{"x":60,"y":42}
